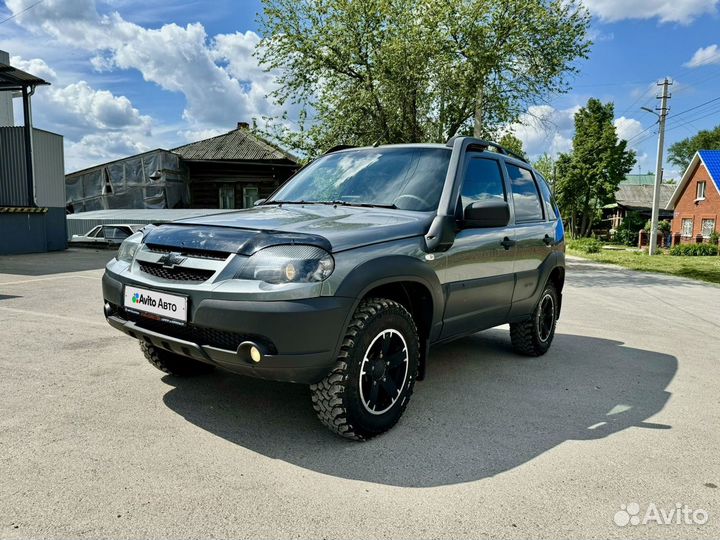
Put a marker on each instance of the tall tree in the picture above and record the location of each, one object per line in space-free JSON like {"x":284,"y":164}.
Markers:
{"x":512,"y":143}
{"x":415,"y":70}
{"x":588,"y":177}
{"x":545,"y":165}
{"x":682,"y":152}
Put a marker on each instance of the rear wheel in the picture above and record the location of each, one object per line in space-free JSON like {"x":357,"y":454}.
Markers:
{"x":534,"y":336}
{"x":173,"y":364}
{"x":371,"y":383}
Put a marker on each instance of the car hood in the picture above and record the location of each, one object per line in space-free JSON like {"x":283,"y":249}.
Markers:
{"x":345,"y":227}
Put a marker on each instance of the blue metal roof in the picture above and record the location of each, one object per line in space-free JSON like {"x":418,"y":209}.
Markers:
{"x":711,"y":159}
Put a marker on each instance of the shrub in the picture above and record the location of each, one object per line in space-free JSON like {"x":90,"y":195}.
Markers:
{"x":694,"y":250}
{"x":627,"y":232}
{"x":586,"y":245}
{"x":663,"y":226}
{"x":714,"y":238}
{"x":626,"y":237}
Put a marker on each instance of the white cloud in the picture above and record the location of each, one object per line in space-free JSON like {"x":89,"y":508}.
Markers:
{"x":80,"y":105}
{"x":705,"y":56}
{"x":101,"y":147}
{"x":680,"y":11}
{"x":627,"y":128}
{"x":35,"y":66}
{"x":219,"y":77}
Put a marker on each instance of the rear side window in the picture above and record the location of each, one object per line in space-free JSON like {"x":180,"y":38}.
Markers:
{"x":115,"y":233}
{"x":526,"y":198}
{"x":483,"y":180}
{"x":551,"y":209}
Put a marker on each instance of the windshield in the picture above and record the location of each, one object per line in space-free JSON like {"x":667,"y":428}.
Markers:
{"x":405,"y":178}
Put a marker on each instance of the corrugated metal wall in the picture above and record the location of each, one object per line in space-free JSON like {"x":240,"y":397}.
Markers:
{"x":13,"y":177}
{"x":49,"y":168}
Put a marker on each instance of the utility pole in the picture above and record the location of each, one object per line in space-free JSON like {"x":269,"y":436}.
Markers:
{"x":659,"y":165}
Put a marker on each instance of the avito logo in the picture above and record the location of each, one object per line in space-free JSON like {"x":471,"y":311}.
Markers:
{"x":147,"y":300}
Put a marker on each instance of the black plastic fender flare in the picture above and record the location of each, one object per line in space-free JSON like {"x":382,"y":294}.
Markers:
{"x":394,"y":269}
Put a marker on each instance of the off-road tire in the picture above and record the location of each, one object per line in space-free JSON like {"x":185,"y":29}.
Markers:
{"x":337,"y":398}
{"x":174,"y":364}
{"x":527,"y":337}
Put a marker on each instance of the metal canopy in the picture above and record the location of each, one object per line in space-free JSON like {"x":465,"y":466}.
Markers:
{"x":12,"y":78}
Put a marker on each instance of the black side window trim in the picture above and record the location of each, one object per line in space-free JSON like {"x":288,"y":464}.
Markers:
{"x":551,"y":201}
{"x":541,"y":200}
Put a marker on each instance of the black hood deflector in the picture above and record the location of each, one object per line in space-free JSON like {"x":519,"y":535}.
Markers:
{"x":194,"y":237}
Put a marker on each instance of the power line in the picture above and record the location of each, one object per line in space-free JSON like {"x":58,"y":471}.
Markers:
{"x":21,"y":12}
{"x":696,"y":107}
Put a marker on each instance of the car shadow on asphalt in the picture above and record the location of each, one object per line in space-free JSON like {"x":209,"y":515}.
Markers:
{"x":482,"y":410}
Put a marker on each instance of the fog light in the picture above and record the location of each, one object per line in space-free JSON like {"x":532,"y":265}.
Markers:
{"x":251,"y":352}
{"x":107,"y":309}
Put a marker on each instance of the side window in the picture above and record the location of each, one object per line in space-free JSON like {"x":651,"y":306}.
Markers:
{"x":525,"y":195}
{"x":483,"y":180}
{"x":94,"y":232}
{"x":115,"y":233}
{"x":551,"y":209}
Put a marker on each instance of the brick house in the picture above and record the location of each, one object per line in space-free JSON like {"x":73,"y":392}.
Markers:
{"x":696,"y":201}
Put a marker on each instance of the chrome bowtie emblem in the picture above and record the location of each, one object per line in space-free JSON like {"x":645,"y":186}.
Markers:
{"x":171,"y":260}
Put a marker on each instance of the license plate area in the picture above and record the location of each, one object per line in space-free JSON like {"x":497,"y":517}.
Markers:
{"x":156,"y":305}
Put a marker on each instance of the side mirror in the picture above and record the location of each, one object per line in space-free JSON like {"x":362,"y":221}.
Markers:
{"x":487,"y":214}
{"x":259,"y":202}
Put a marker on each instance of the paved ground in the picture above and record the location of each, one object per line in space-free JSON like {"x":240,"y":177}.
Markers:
{"x":94,"y":442}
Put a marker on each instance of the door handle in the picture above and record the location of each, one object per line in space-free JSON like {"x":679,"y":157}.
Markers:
{"x":548,"y":241}
{"x":507,"y":243}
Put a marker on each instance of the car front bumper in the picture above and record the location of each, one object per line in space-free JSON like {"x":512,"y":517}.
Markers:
{"x":300,"y":337}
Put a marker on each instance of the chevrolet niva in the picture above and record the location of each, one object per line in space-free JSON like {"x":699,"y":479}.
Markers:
{"x":348,"y":273}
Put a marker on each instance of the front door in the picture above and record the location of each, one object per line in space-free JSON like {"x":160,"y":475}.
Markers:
{"x":479,"y":277}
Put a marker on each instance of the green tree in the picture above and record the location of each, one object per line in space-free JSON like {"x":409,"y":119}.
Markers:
{"x":545,"y":165}
{"x":393,"y":71}
{"x":588,"y":177}
{"x":512,"y":143}
{"x":682,"y":152}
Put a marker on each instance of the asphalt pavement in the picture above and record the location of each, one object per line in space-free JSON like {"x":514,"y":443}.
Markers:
{"x":618,"y":422}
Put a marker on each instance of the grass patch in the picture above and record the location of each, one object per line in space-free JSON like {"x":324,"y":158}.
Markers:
{"x":701,"y":268}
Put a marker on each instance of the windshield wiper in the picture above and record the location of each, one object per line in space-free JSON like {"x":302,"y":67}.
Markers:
{"x":336,"y":202}
{"x":289,"y":202}
{"x":362,"y":204}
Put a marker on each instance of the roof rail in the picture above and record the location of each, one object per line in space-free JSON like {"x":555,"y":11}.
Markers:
{"x":484,"y":145}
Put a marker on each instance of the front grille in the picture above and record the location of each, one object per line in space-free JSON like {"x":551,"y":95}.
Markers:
{"x":195,"y":253}
{"x":176,"y":274}
{"x":220,"y":339}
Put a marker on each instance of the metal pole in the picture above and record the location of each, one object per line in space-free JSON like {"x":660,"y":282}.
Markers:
{"x":29,"y":161}
{"x":652,"y":249}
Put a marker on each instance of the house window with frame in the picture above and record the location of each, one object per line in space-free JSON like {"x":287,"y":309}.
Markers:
{"x":687,"y":228}
{"x":707,"y":227}
{"x":226,"y":196}
{"x":700,"y":193}
{"x":250,"y":195}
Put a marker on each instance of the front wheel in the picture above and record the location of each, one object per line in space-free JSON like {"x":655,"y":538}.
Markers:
{"x":371,"y":383}
{"x":534,"y":336}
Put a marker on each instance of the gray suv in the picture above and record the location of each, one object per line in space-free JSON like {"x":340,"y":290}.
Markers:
{"x":346,"y":276}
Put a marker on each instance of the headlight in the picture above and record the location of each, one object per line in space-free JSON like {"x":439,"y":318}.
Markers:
{"x":130,"y":245}
{"x":288,"y":264}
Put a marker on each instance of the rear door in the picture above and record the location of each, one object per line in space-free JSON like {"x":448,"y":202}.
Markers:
{"x":479,"y":277}
{"x":534,"y":230}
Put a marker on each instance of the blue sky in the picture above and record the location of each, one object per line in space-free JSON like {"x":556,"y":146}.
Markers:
{"x":131,"y":75}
